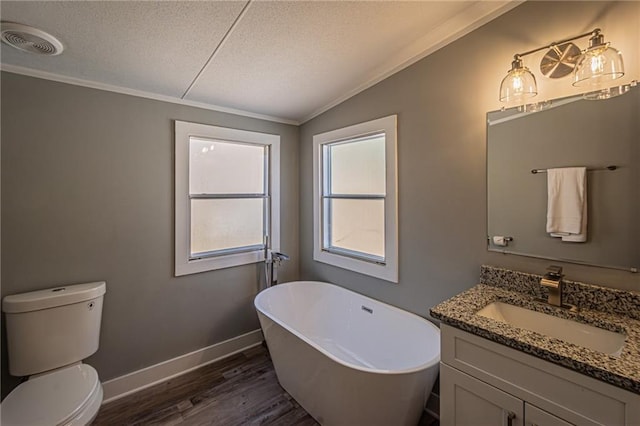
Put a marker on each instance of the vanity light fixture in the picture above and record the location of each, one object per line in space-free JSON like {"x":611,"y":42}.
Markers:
{"x":592,"y":67}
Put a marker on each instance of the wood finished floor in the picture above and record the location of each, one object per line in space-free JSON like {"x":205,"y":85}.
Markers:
{"x":239,"y":390}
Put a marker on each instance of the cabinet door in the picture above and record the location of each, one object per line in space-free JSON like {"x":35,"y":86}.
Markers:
{"x":465,"y":400}
{"x":537,"y":417}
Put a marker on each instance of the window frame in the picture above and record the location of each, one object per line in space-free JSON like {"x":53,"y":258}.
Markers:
{"x":387,"y":268}
{"x":184,"y":263}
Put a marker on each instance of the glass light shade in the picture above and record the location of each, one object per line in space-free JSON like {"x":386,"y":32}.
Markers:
{"x":518,"y":85}
{"x":598,"y":65}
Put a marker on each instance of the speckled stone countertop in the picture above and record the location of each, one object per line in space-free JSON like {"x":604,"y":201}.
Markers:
{"x":611,"y":309}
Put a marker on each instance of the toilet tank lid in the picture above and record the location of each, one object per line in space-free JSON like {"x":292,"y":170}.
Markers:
{"x":53,"y":297}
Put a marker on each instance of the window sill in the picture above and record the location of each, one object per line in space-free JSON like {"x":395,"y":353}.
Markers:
{"x":186,"y":266}
{"x":387,"y":271}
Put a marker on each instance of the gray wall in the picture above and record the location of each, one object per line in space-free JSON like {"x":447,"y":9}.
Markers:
{"x":441,"y":102}
{"x":87,"y":194}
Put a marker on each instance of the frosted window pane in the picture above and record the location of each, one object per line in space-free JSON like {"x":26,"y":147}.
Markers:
{"x":223,"y":224}
{"x":217,"y":167}
{"x":357,"y":225}
{"x":358,"y":167}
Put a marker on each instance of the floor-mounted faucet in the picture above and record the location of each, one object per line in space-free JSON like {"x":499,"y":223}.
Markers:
{"x":272,"y":261}
{"x":276,"y":259}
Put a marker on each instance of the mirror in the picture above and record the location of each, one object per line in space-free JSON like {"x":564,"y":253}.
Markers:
{"x":567,"y":132}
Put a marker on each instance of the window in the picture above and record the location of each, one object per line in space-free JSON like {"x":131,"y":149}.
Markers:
{"x":355,"y":204}
{"x":227,"y":197}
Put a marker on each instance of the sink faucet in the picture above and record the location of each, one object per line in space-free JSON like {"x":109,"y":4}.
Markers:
{"x":553,"y":281}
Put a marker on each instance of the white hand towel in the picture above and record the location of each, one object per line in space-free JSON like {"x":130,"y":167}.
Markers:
{"x":567,"y":203}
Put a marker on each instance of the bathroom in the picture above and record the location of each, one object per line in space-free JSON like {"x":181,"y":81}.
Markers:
{"x":98,"y":201}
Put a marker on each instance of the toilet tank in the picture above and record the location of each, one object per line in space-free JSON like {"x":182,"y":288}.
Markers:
{"x":52,"y":328}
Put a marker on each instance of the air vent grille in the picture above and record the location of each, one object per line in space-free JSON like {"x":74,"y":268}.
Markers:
{"x":30,"y":39}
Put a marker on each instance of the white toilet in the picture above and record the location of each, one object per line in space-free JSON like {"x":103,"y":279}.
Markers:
{"x":49,"y":333}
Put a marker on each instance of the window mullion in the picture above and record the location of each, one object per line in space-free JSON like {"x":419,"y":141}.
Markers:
{"x":225,"y":196}
{"x":357,"y":196}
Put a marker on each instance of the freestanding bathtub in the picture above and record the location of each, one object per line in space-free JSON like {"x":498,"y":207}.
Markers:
{"x":346,"y":358}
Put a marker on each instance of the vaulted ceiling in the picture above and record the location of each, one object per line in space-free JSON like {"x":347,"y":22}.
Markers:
{"x":282,"y":60}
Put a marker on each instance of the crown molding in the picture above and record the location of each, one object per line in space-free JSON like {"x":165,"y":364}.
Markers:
{"x":14,"y":69}
{"x":470,"y":19}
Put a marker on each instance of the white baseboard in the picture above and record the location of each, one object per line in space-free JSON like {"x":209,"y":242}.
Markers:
{"x":133,"y":382}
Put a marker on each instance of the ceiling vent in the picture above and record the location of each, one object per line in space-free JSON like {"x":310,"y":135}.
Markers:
{"x":29,"y":39}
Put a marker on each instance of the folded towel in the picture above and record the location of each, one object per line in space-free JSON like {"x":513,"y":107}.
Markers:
{"x":567,"y":203}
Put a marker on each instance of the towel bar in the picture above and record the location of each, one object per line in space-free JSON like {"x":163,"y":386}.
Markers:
{"x":535,"y":171}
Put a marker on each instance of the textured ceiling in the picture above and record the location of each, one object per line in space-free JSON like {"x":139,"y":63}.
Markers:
{"x":289,"y":60}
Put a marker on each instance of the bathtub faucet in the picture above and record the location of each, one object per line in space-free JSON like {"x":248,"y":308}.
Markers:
{"x":272,"y":261}
{"x":276,"y":259}
{"x":279,"y":257}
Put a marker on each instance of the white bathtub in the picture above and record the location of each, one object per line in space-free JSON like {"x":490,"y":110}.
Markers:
{"x":346,"y":358}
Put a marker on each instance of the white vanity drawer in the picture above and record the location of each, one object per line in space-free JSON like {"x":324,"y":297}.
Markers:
{"x":572,"y":396}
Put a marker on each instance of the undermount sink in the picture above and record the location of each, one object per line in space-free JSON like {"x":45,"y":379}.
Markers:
{"x":587,"y":336}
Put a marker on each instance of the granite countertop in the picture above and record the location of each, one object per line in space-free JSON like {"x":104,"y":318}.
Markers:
{"x":611,"y":309}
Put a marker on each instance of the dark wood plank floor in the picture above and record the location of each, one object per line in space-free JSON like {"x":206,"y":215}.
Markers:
{"x":239,"y":390}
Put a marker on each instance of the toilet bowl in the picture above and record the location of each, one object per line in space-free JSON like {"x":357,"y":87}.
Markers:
{"x":70,"y":396}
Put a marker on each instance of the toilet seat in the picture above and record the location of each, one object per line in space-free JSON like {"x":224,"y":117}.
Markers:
{"x":68,"y":396}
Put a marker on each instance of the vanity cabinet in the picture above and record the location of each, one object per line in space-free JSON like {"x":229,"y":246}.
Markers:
{"x":466,"y":401}
{"x":486,"y":383}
